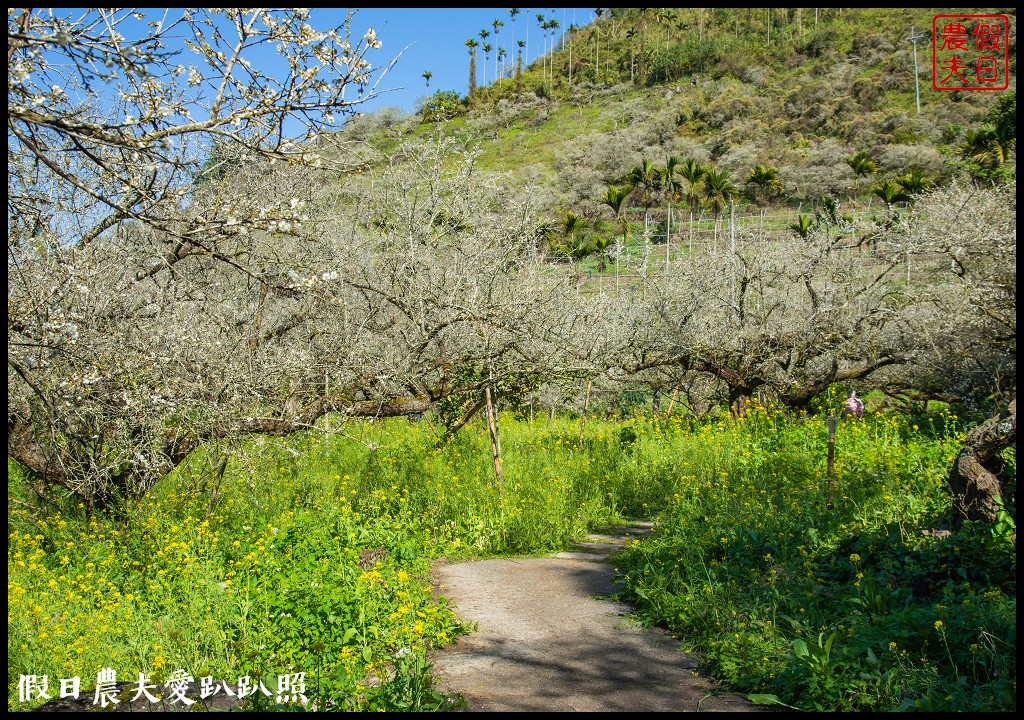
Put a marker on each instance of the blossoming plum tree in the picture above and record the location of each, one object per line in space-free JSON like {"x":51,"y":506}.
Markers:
{"x":109,"y":114}
{"x":161,"y":297}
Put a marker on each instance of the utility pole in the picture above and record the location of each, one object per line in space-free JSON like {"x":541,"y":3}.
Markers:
{"x":917,"y":82}
{"x":732,"y":246}
{"x":668,"y":235}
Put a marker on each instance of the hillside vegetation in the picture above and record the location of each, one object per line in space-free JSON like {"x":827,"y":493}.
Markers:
{"x":709,"y":84}
{"x":256,"y":386}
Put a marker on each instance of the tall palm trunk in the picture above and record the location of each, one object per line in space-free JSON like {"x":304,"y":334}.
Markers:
{"x":570,"y":58}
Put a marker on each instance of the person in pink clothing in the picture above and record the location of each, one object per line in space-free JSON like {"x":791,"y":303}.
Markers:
{"x":854,"y":405}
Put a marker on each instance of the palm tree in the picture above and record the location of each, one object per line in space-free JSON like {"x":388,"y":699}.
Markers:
{"x":496,"y":24}
{"x":630,"y":35}
{"x":862,"y":166}
{"x":426,"y":76}
{"x":487,"y":47}
{"x":693,"y":172}
{"x":890,"y":193}
{"x":519,"y":65}
{"x":547,"y":233}
{"x":598,"y":245}
{"x":615,"y":198}
{"x":719,"y":192}
{"x":764,"y":179}
{"x":647,"y":178}
{"x":988,"y":146}
{"x":1001,"y":139}
{"x":666,"y":17}
{"x":512,"y":15}
{"x":484,"y":34}
{"x":501,"y":60}
{"x":571,"y":33}
{"x":974,"y":146}
{"x":552,"y":26}
{"x":913,"y":182}
{"x":673,"y":187}
{"x":542,"y":24}
{"x":472,"y":45}
{"x":572,"y":225}
{"x":802,"y":226}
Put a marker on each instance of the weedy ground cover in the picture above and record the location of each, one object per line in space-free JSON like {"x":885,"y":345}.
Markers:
{"x":862,"y":602}
{"x":312,"y":554}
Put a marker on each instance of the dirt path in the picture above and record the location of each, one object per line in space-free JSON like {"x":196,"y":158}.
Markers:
{"x":549,"y":639}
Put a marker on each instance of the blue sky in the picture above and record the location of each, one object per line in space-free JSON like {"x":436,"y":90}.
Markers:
{"x":436,"y":40}
{"x":427,"y":39}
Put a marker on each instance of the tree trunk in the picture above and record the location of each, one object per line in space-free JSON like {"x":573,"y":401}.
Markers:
{"x":738,"y":406}
{"x":974,"y":478}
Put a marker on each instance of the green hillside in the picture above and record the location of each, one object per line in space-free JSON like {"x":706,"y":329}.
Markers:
{"x":711,"y":84}
{"x":259,"y":387}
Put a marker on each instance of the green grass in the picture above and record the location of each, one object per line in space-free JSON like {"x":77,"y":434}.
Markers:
{"x":833,"y":596}
{"x":316,"y":555}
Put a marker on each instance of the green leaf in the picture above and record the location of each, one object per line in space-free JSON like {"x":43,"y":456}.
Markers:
{"x":828,"y":643}
{"x":768,"y":699}
{"x":800,"y":648}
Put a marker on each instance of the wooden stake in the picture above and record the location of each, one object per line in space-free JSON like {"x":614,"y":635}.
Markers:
{"x":492,"y":426}
{"x":586,"y":404}
{"x":672,"y":402}
{"x":216,"y":488}
{"x":831,"y":455}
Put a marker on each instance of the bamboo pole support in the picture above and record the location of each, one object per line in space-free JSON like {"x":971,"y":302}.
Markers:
{"x":672,"y":402}
{"x":586,"y":404}
{"x":492,"y":426}
{"x":831,"y":455}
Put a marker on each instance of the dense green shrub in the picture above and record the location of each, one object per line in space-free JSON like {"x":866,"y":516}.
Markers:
{"x":442,"y":105}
